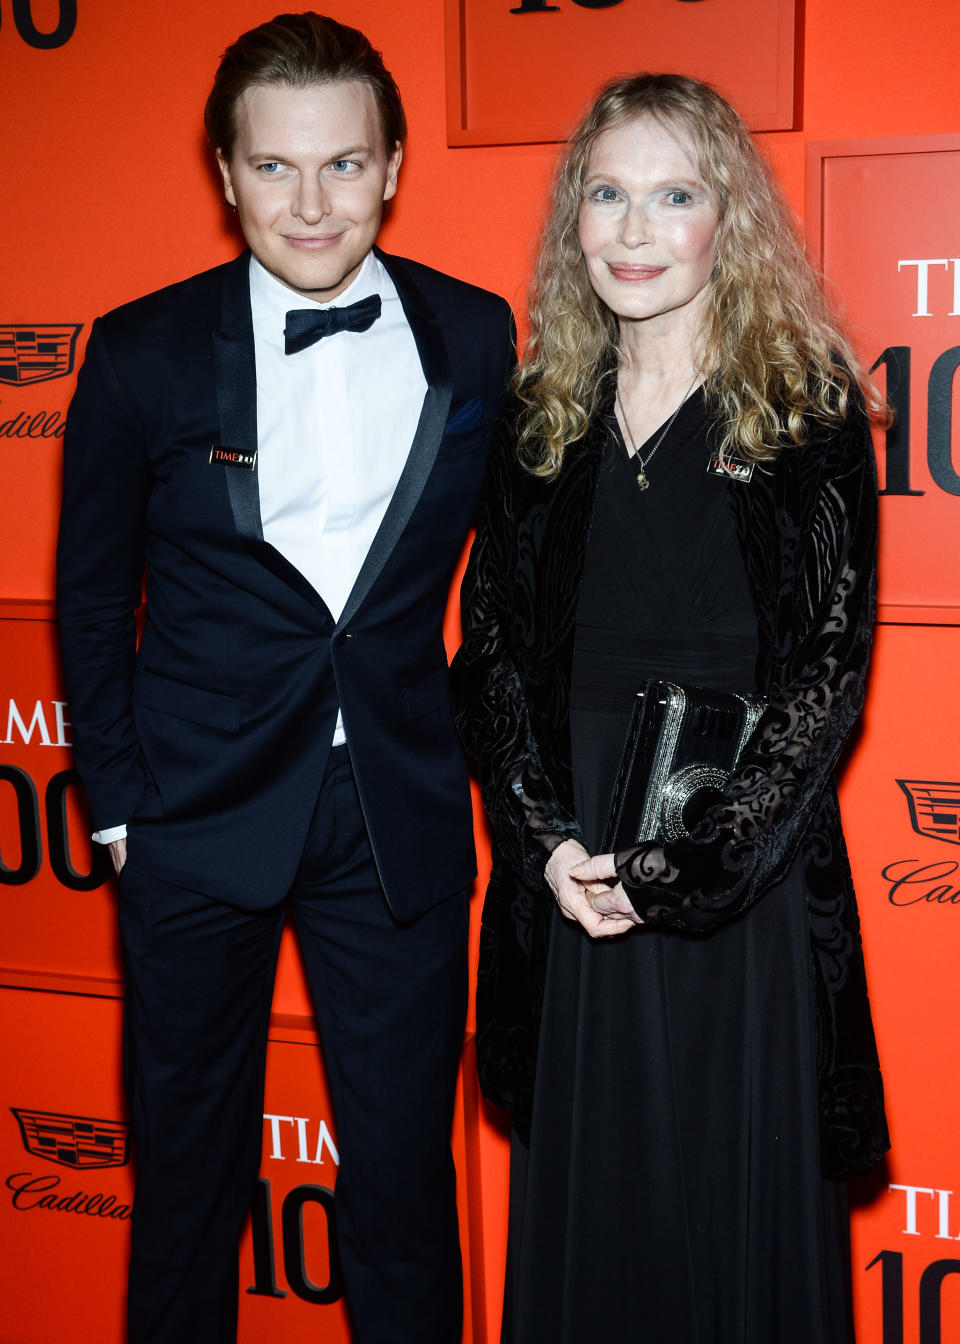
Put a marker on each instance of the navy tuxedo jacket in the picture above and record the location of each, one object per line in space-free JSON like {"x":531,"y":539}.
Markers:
{"x":210,"y":741}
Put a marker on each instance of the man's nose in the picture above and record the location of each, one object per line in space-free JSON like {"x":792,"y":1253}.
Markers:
{"x":311,"y":203}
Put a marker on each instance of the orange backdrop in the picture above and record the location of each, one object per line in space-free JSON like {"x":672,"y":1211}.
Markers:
{"x":108,"y":193}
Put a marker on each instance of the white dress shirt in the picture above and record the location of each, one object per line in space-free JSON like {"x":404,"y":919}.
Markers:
{"x":335,"y":424}
{"x":334,"y":427}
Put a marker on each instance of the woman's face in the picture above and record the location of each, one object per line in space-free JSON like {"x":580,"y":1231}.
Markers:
{"x":648,"y":225}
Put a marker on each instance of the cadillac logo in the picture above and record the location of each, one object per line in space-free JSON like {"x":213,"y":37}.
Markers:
{"x":74,"y":1140}
{"x":35,"y":354}
{"x":934,"y":808}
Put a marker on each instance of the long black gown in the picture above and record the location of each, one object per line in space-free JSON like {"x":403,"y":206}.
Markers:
{"x":672,"y":1193}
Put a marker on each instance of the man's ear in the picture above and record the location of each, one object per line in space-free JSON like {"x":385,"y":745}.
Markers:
{"x":393,"y":169}
{"x":224,"y":167}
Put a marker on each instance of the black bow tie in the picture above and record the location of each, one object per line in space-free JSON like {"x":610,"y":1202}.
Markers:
{"x":307,"y":325}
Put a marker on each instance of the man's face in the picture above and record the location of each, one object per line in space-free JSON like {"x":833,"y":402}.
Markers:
{"x":309,"y":174}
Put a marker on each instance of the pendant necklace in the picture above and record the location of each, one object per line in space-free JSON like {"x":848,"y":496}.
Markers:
{"x":643,"y":480}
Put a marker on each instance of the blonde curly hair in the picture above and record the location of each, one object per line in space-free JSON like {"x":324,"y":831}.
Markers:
{"x":774,"y":361}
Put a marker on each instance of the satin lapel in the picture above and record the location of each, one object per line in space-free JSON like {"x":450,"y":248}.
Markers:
{"x":426,"y":440}
{"x":236,"y":375}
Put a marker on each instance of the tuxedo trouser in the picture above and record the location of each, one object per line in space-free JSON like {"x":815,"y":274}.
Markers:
{"x":390,"y":1001}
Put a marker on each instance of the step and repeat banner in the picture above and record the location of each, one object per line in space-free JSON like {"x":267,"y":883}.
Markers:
{"x":113,"y":196}
{"x":881,"y":217}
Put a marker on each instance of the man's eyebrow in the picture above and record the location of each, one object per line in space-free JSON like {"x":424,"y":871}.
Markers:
{"x":351,"y":151}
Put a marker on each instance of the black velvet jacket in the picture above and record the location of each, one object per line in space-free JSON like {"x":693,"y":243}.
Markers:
{"x":807,"y":530}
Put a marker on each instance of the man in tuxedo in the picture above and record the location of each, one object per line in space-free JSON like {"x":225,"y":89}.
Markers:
{"x":290,"y":447}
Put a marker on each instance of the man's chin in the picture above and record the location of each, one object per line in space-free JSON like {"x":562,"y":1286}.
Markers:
{"x":320,"y":283}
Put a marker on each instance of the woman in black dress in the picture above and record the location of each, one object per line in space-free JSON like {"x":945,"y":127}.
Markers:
{"x":682,"y":487}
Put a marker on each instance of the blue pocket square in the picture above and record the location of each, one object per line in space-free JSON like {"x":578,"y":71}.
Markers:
{"x":467,"y":416}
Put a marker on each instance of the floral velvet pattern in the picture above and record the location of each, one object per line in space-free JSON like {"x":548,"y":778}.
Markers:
{"x":807,"y":530}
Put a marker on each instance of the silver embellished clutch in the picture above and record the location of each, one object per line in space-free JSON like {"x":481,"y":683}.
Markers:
{"x":681,"y":748}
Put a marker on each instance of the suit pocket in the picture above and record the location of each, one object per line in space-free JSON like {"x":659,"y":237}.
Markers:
{"x":428,"y":696}
{"x":152,"y":691}
{"x":465,"y":417}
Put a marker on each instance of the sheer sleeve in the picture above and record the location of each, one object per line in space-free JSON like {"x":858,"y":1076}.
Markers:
{"x":824,"y":532}
{"x":492,"y":714}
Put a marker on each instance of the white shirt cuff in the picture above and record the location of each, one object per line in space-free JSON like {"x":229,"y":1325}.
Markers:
{"x":108,"y":836}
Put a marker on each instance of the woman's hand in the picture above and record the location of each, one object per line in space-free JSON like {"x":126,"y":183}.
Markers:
{"x":610,"y":903}
{"x":575,"y":896}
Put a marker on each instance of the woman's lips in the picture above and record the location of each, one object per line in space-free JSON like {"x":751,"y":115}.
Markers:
{"x":635,"y":274}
